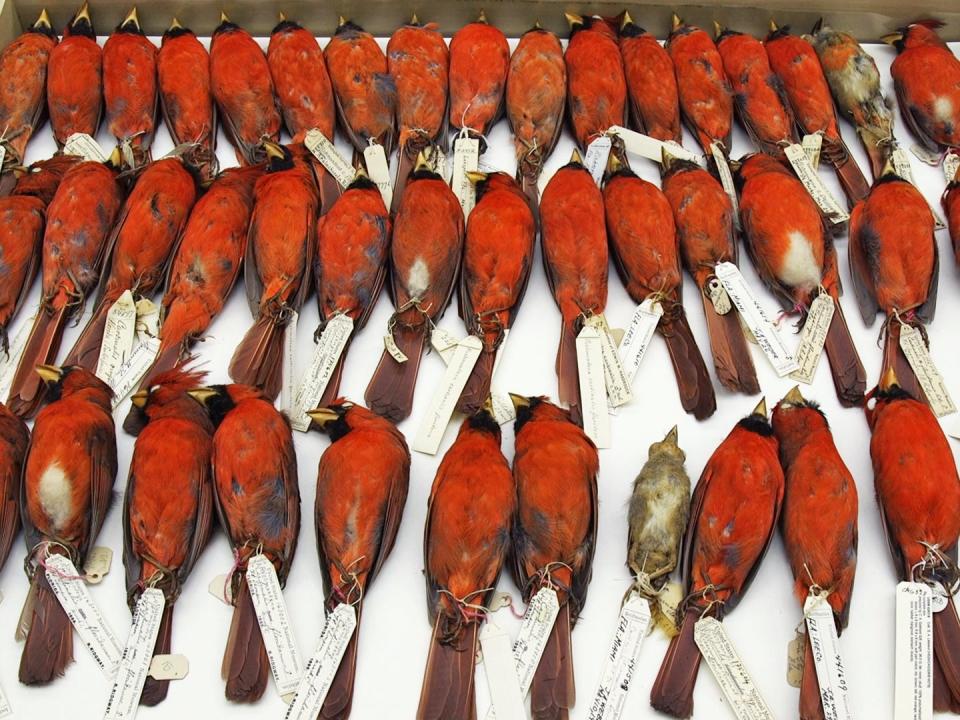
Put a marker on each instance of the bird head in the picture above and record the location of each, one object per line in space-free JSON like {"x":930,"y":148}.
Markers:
{"x":668,"y":446}
{"x":794,"y":416}
{"x":64,"y":381}
{"x":334,"y":419}
{"x":81,"y":24}
{"x":218,"y":400}
{"x":757,"y":421}
{"x":131,"y":23}
{"x":166,"y":395}
{"x":921,"y":33}
{"x":278,"y":156}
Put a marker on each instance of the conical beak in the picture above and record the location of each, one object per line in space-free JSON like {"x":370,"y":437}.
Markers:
{"x":482,"y":17}
{"x":888,"y":169}
{"x":573,"y":19}
{"x":773,"y":26}
{"x":360,"y":172}
{"x":576,"y":157}
{"x":82,"y":14}
{"x":892,"y":38}
{"x":131,"y":18}
{"x":139,"y":398}
{"x":223,"y":17}
{"x":49,"y":373}
{"x":519,"y":401}
{"x":627,"y":20}
{"x":273,"y":150}
{"x":115,"y":159}
{"x":676,"y":21}
{"x":202,"y":394}
{"x":414,"y":20}
{"x":889,"y":380}
{"x":672,"y":436}
{"x":422,"y":162}
{"x":43,"y":21}
{"x":761,"y":408}
{"x":475,"y":176}
{"x":175,"y":25}
{"x":667,"y":158}
{"x":717,"y":29}
{"x":817,"y":26}
{"x":613,"y":163}
{"x":322,"y":416}
{"x":793,"y":397}
{"x":341,"y":21}
{"x":488,"y":406}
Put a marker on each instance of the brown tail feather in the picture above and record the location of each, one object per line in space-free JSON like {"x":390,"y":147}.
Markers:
{"x":693,"y":380}
{"x":477,"y":389}
{"x":876,"y":151}
{"x":327,"y":185}
{"x":552,"y":691}
{"x":448,"y":691}
{"x":339,"y":699}
{"x":852,"y":181}
{"x":155,"y":691}
{"x":246,"y":667}
{"x":811,"y":707}
{"x":672,"y":691}
{"x":946,"y":650}
{"x":86,"y":351}
{"x":731,"y":354}
{"x":849,"y":377}
{"x":49,"y":645}
{"x":568,"y":379}
{"x":405,"y":166}
{"x":390,"y":392}
{"x":258,"y":359}
{"x":27,"y":389}
{"x":530,"y":188}
{"x":893,"y":357}
{"x":332,"y":391}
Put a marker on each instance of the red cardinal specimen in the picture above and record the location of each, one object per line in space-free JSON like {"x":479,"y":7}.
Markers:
{"x":479,"y":62}
{"x":67,"y":490}
{"x":74,"y":80}
{"x":130,"y":89}
{"x":168,"y":505}
{"x":555,"y":467}
{"x":362,"y":487}
{"x":795,"y":257}
{"x":350,"y":263}
{"x":646,"y":251}
{"x":918,"y":491}
{"x":258,"y":503}
{"x":536,"y":96}
{"x":951,"y":205}
{"x":497,"y":257}
{"x":419,"y":63}
{"x":143,"y":239}
{"x":797,"y":66}
{"x":466,"y":541}
{"x":574,"y":237}
{"x":894,"y":264}
{"x":277,"y":265}
{"x":651,"y":83}
{"x":733,"y":517}
{"x":14,"y":439}
{"x":79,"y":220}
{"x":819,"y":520}
{"x":183,"y":78}
{"x":242,"y":87}
{"x":596,"y":84}
{"x":366,"y":93}
{"x":703,"y":216}
{"x":424,"y":262}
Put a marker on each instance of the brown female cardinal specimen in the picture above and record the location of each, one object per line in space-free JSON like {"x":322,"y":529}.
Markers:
{"x":466,"y":541}
{"x":733,"y":517}
{"x":419,"y":63}
{"x":646,"y":251}
{"x":918,"y":491}
{"x":242,"y":87}
{"x":819,"y":520}
{"x":497,"y":258}
{"x":797,"y":66}
{"x":143,"y":239}
{"x":67,"y":490}
{"x":555,"y":467}
{"x":703,"y":215}
{"x":74,"y":80}
{"x":79,"y":219}
{"x":651,"y":83}
{"x":362,"y":486}
{"x":535,"y":99}
{"x":130,"y":90}
{"x":14,"y":439}
{"x":167,"y":508}
{"x":183,"y":78}
{"x":277,"y":265}
{"x":479,"y":62}
{"x":796,"y":259}
{"x":258,"y":503}
{"x":424,"y":262}
{"x":894,"y":264}
{"x":350,"y":262}
{"x":574,"y":236}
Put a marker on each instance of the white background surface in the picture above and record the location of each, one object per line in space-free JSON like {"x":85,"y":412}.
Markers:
{"x":395,"y":633}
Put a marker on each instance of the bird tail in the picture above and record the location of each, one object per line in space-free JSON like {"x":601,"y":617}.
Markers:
{"x":894,"y":358}
{"x":567,"y":373}
{"x":552,"y":691}
{"x":693,"y":380}
{"x":258,"y":359}
{"x":946,"y":651}
{"x":852,"y":181}
{"x":849,"y":377}
{"x":731,"y":355}
{"x":951,"y":204}
{"x":878,"y":149}
{"x":246,"y":667}
{"x":390,"y":392}
{"x":477,"y":389}
{"x":672,"y":691}
{"x":448,"y":690}
{"x":407,"y":161}
{"x":155,"y":691}
{"x":26,"y":390}
{"x":528,"y":183}
{"x":49,"y":645}
{"x":340,"y":696}
{"x":86,"y":350}
{"x":327,"y":185}
{"x":811,"y":707}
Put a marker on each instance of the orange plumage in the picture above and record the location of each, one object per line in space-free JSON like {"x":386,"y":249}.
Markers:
{"x":75,"y":80}
{"x":14,"y":439}
{"x":479,"y":61}
{"x":651,"y":83}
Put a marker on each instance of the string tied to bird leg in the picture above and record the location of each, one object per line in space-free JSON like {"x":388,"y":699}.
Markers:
{"x":489,"y":321}
{"x":161,"y":574}
{"x":37,"y":557}
{"x":352,"y":587}
{"x":708,"y":595}
{"x":466,"y":612}
{"x":936,"y":569}
{"x":411,"y":304}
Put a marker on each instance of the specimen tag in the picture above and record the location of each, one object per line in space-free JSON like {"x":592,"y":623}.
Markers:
{"x":288,"y":372}
{"x":951,"y":163}
{"x":593,"y":392}
{"x":901,"y":166}
{"x":621,"y":660}
{"x":271,"y":610}
{"x":84,"y":615}
{"x":926,"y":156}
{"x":913,"y":346}
{"x":222,"y":589}
{"x":726,"y":179}
{"x":615,"y":378}
{"x":821,"y":195}
{"x":466,"y":158}
{"x":718,"y":296}
{"x":169,"y":667}
{"x":728,"y":670}
{"x":645,"y":146}
{"x":796,"y":657}
{"x":97,"y":564}
{"x":379,"y":171}
{"x":637,"y":338}
{"x":445,"y":342}
{"x":9,"y":362}
{"x":322,"y":666}
{"x":751,"y":312}
{"x":825,"y":645}
{"x":444,"y":399}
{"x":913,"y":670}
{"x":145,"y":348}
{"x":506,"y":699}
{"x":137,"y":653}
{"x":118,"y":336}
{"x":328,"y":155}
{"x":5,"y":710}
{"x":391,"y":346}
{"x":813,"y":338}
{"x":811,"y":146}
{"x":596,"y":158}
{"x":82,"y":145}
{"x":326,"y":354}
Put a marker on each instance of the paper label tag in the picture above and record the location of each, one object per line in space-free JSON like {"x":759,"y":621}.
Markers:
{"x":326,"y":354}
{"x":169,"y":667}
{"x":83,"y":613}
{"x":913,"y":674}
{"x":444,"y":342}
{"x":825,"y":645}
{"x":130,"y":344}
{"x":615,"y":378}
{"x":391,"y":347}
{"x":593,"y":392}
{"x":131,"y":372}
{"x":289,"y":369}
{"x":915,"y":349}
{"x":328,"y":155}
{"x":812,"y":144}
{"x":813,"y":338}
{"x":728,"y":670}
{"x":595,"y":161}
{"x":444,"y":400}
{"x":322,"y":666}
{"x":796,"y":658}
{"x":506,"y":700}
{"x":278,"y":637}
{"x":379,"y":171}
{"x":951,"y":163}
{"x":118,"y":337}
{"x":647,"y":147}
{"x":222,"y":589}
{"x":621,"y":660}
{"x":438,"y":162}
{"x":6,"y":711}
{"x":82,"y":145}
{"x":726,"y":179}
{"x":466,"y":158}
{"x":9,"y":362}
{"x":751,"y":312}
{"x":503,"y":410}
{"x":925,"y":155}
{"x":807,"y":174}
{"x":637,"y":338}
{"x":137,"y":653}
{"x":718,"y":296}
{"x":901,"y":166}
{"x":97,"y":564}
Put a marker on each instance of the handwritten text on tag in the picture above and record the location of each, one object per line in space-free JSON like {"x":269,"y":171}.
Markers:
{"x":593,"y":392}
{"x":814,"y":336}
{"x":328,"y":155}
{"x":275,"y":628}
{"x":323,"y":664}
{"x":621,"y":661}
{"x":124,"y":696}
{"x":326,"y":354}
{"x":930,"y":379}
{"x":913,"y":668}
{"x":729,"y":671}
